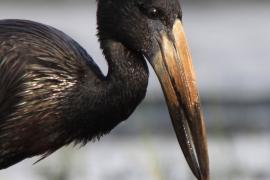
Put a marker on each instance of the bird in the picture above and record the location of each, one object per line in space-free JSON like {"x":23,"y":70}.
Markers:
{"x":53,"y":94}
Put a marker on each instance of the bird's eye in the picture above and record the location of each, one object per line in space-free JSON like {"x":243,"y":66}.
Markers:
{"x":153,"y":13}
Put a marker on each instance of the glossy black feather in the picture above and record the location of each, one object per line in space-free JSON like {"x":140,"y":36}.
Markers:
{"x":52,"y":93}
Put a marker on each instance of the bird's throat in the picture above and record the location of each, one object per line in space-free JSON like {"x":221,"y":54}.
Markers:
{"x":127,"y":77}
{"x":124,"y":64}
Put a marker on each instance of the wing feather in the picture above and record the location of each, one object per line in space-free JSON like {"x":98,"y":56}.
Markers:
{"x":39,"y":65}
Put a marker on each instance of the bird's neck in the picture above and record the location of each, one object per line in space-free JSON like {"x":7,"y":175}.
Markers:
{"x":127,"y":78}
{"x":100,"y":103}
{"x":125,"y":66}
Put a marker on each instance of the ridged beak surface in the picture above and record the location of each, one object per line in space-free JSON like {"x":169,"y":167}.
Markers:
{"x":173,"y":66}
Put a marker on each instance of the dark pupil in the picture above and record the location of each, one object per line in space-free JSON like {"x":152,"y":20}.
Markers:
{"x":153,"y":12}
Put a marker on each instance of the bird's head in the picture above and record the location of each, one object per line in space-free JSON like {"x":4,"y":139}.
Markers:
{"x":153,"y":29}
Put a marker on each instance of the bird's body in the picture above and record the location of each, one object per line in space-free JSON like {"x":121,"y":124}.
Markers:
{"x":52,"y":93}
{"x":47,"y":77}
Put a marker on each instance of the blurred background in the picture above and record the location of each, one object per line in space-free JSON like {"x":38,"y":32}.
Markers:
{"x":230,"y":45}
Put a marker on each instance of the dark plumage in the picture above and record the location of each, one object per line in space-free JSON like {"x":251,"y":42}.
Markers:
{"x":52,"y":93}
{"x":57,"y":89}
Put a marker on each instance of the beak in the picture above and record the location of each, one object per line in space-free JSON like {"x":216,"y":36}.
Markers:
{"x":173,"y":66}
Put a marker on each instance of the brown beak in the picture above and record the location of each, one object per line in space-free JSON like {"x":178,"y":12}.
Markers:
{"x":173,"y":66}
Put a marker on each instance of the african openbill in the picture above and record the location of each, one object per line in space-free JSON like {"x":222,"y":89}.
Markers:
{"x":52,"y":93}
